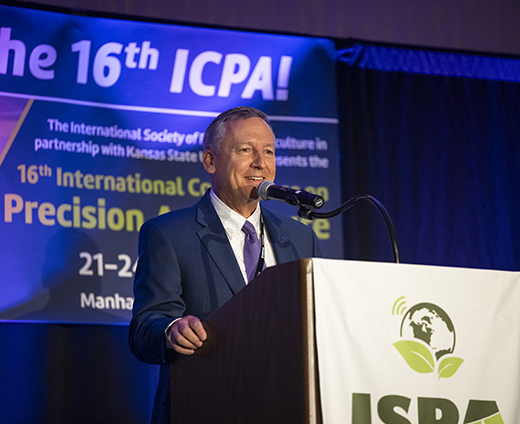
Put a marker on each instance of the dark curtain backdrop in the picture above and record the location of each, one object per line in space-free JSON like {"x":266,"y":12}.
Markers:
{"x":434,"y":136}
{"x":63,"y":374}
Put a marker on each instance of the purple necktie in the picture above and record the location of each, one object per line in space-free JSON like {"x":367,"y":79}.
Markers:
{"x":251,"y":250}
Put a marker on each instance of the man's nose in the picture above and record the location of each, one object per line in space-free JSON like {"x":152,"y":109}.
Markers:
{"x":258,"y":160}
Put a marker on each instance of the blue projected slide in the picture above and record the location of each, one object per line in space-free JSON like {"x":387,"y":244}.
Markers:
{"x":101,"y":128}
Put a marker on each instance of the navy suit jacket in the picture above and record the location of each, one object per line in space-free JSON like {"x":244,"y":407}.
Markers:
{"x":187,"y":267}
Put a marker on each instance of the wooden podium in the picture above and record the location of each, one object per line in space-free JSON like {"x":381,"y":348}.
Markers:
{"x":259,"y":362}
{"x":392,"y":342}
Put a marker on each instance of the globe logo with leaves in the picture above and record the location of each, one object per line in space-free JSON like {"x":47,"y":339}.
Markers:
{"x":428,"y":341}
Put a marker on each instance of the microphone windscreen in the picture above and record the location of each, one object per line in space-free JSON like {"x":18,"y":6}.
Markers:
{"x":262,"y":188}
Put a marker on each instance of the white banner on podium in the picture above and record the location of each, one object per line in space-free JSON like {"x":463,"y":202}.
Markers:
{"x":412,"y":344}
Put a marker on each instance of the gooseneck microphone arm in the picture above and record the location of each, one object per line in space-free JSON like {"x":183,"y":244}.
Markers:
{"x":308,"y":213}
{"x":308,"y":202}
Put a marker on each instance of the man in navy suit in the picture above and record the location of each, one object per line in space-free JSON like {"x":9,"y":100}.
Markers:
{"x":191,"y":261}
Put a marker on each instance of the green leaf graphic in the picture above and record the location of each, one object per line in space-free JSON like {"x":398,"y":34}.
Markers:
{"x":449,"y":366}
{"x":496,"y":419}
{"x":416,"y":355}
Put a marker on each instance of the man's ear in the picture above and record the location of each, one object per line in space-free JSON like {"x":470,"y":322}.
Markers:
{"x":208,"y":159}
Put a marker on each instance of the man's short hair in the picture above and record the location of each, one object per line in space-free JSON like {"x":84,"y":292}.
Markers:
{"x":217,"y":130}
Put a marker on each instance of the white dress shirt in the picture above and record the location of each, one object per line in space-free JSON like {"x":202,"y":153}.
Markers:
{"x":233,"y":223}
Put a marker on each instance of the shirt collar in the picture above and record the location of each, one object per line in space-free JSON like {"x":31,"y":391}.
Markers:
{"x":232,"y":220}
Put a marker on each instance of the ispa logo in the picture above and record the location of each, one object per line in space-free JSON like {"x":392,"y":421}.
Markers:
{"x":428,"y":340}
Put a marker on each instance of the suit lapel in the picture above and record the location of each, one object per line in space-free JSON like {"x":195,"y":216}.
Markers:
{"x":283,"y":248}
{"x":214,"y":238}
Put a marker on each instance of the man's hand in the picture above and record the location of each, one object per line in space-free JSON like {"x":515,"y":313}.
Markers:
{"x":187,"y":334}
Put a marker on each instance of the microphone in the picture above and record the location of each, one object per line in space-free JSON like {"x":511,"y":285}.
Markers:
{"x":268,"y":190}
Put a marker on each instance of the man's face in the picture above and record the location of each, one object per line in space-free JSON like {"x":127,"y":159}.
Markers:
{"x":246,"y":158}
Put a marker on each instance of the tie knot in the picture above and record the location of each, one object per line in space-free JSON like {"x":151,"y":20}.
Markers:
{"x":248,"y":228}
